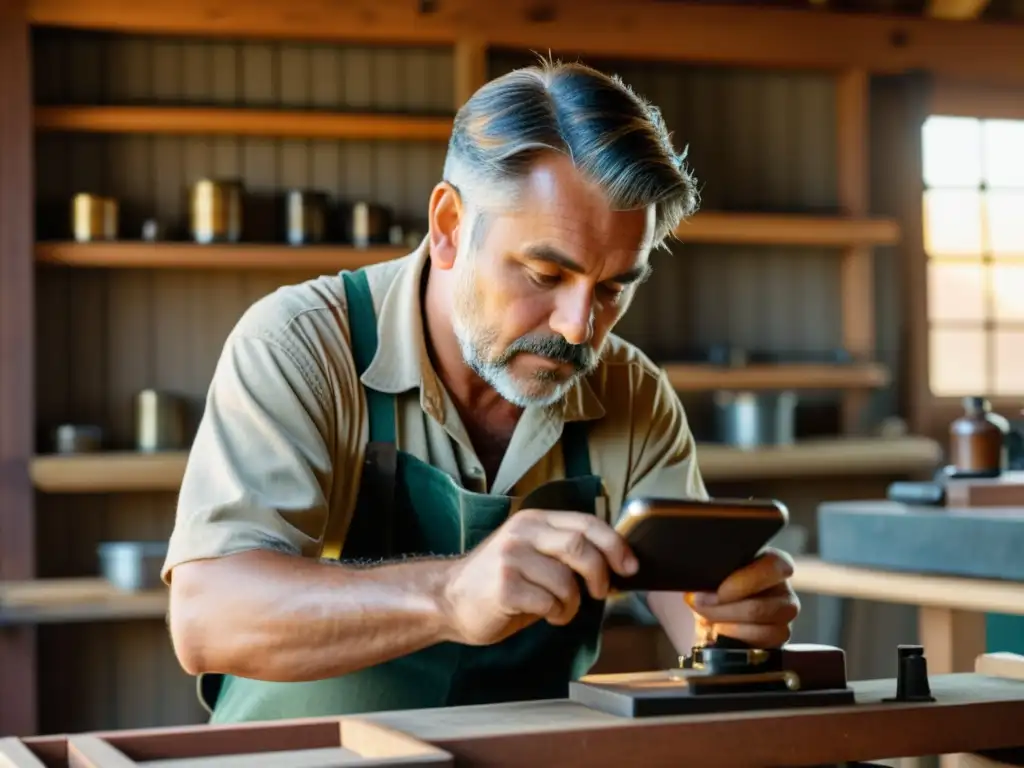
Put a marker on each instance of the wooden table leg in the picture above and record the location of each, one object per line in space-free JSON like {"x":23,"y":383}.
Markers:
{"x":952,"y":639}
{"x":952,"y":642}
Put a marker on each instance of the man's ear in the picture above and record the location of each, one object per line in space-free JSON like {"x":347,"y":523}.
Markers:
{"x":445,"y":221}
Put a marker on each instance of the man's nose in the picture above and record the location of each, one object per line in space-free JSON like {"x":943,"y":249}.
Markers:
{"x":573,"y":318}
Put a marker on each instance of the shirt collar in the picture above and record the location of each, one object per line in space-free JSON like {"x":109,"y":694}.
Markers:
{"x":402,"y":361}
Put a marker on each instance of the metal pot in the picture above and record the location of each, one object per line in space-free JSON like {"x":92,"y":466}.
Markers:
{"x":305,"y":215}
{"x":215,"y":211}
{"x":93,"y":218}
{"x":752,"y":419}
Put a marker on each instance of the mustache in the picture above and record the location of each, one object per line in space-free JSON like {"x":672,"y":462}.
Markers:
{"x":580,"y":356}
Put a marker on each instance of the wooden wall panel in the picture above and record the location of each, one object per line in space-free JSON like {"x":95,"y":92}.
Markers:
{"x":104,"y":335}
{"x":757,"y":140}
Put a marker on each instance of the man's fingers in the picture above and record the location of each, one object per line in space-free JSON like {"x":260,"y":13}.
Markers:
{"x":614,"y":548}
{"x":554,"y":577}
{"x":770,"y":569}
{"x":778,"y":605}
{"x":756,"y":635}
{"x":573,"y":548}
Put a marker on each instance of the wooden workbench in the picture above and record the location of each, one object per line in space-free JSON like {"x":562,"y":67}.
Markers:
{"x":972,"y":712}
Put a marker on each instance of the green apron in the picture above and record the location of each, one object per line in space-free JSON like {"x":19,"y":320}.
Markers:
{"x":407,"y":507}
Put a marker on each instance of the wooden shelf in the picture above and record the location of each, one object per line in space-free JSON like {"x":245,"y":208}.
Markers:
{"x":167,"y":255}
{"x":50,"y":601}
{"x":959,"y":593}
{"x":123,"y":472}
{"x":242,"y":122}
{"x":834,"y":457}
{"x":108,"y":472}
{"x":787,"y":229}
{"x":697,"y":377}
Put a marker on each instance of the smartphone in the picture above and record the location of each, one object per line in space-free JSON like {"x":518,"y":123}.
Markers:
{"x":691,"y":545}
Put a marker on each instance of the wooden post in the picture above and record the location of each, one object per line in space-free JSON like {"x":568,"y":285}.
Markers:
{"x":18,"y":716}
{"x":470,"y":68}
{"x":857,"y":265}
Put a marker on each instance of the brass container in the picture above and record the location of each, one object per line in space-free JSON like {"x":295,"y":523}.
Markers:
{"x":160,"y":422}
{"x":93,"y":218}
{"x":215,"y":211}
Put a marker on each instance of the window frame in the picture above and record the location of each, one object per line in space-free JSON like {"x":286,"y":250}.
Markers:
{"x":931,"y":414}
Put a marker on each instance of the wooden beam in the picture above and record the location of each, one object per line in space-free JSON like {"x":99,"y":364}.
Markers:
{"x":18,"y":716}
{"x":956,"y":10}
{"x":966,"y":99}
{"x":636,"y":29}
{"x":857,"y":274}
{"x":470,"y":68}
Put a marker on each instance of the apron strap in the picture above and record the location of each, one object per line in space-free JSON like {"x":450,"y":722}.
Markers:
{"x":575,"y":449}
{"x":362,"y":320}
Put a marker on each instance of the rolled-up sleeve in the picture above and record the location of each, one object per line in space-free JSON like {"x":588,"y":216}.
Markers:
{"x":259,"y":472}
{"x":666,"y":456}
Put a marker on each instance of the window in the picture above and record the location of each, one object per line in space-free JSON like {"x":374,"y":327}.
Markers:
{"x":973,"y":212}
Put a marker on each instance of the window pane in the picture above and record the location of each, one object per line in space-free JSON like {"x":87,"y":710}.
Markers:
{"x":952,"y":222}
{"x":956,"y":291}
{"x":952,"y":151}
{"x":1004,"y":153}
{"x":1009,"y":352}
{"x":1008,"y":293}
{"x":1006,"y":221}
{"x":957,"y":361}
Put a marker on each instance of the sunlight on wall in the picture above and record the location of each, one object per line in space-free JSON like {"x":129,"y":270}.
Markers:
{"x":974,"y":238}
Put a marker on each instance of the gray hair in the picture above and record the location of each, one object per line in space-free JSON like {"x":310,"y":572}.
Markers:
{"x":613,"y":136}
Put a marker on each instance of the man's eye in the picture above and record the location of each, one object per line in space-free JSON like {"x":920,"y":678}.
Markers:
{"x":611,"y":292}
{"x":543,"y":279}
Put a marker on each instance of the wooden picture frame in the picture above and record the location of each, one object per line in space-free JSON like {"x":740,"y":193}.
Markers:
{"x":289,"y":744}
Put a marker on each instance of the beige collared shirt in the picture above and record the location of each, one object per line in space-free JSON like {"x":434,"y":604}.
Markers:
{"x":277,"y":457}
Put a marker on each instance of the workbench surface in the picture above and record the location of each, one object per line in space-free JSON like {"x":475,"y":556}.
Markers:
{"x":972,"y":712}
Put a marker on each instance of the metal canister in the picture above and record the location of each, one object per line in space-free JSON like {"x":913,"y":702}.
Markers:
{"x":370,"y":224}
{"x":93,"y":218}
{"x":215,"y":211}
{"x":77,"y":438}
{"x":305,"y":217}
{"x":160,"y":419}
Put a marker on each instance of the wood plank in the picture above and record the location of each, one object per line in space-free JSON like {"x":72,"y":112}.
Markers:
{"x":956,"y":10}
{"x":212,"y":121}
{"x":786,"y":229}
{"x":109,"y":472}
{"x":702,"y":377}
{"x":470,"y":66}
{"x":88,"y":751}
{"x":50,"y":601}
{"x":180,"y":255}
{"x":951,"y":96}
{"x":742,"y":36}
{"x":14,"y":754}
{"x":949,"y":592}
{"x":843,"y":457}
{"x":857,"y":273}
{"x":972,"y":713}
{"x":18,"y":708}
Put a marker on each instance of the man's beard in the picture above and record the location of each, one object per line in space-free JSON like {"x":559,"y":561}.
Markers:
{"x":544,"y":387}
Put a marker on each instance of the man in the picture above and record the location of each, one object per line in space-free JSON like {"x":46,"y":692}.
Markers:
{"x":403,"y":487}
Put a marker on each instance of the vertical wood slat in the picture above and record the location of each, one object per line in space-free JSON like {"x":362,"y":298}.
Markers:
{"x":470,"y":65}
{"x":857,"y":265}
{"x":18,"y":692}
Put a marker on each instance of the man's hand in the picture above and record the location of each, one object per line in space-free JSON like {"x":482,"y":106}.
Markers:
{"x":527,"y":570}
{"x":755,"y":604}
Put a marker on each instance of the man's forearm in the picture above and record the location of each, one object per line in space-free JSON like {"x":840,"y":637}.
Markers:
{"x":272,"y":616}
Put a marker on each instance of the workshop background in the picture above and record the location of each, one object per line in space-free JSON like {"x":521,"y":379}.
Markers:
{"x":849,"y":278}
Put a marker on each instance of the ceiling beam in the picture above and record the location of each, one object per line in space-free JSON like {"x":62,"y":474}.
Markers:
{"x":634,"y":29}
{"x":956,"y":10}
